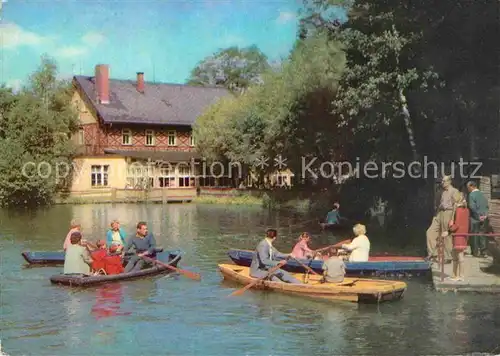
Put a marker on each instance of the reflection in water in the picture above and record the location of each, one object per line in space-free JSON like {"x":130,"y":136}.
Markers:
{"x":108,"y":300}
{"x":75,"y":312}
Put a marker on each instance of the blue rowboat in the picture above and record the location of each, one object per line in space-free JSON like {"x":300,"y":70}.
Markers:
{"x":171,"y":258}
{"x":50,"y":258}
{"x":377,"y":265}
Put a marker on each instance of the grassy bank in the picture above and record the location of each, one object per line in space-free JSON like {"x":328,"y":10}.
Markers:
{"x":234,"y":200}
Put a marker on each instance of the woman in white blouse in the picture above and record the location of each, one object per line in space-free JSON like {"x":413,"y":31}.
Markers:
{"x":360,"y":246}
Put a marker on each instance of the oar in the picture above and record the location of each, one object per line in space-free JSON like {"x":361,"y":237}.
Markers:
{"x":250,"y":285}
{"x":186,"y":273}
{"x":350,"y":284}
{"x":337,"y":245}
{"x":305,"y":266}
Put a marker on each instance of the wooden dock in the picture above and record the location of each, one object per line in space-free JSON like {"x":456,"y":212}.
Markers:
{"x":478,"y":277}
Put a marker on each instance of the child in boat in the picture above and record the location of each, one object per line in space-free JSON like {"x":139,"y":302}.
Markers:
{"x":301,"y":250}
{"x":113,"y":261}
{"x":459,"y":225}
{"x":360,"y":245}
{"x":77,"y":259}
{"x":98,"y":256}
{"x":333,"y":268}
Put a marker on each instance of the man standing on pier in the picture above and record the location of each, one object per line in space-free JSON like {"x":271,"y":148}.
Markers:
{"x":478,"y":206}
{"x":450,"y":197}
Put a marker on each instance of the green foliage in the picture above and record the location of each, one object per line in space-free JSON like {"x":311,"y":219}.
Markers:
{"x":35,"y":127}
{"x":233,"y":68}
{"x":373,"y":80}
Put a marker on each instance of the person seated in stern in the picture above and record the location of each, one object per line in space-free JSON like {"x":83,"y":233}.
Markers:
{"x":360,"y":245}
{"x":333,"y":268}
{"x":265,"y":257}
{"x":77,"y":259}
{"x":459,"y":225}
{"x":301,"y":250}
{"x":74,"y":226}
{"x":144,"y":244}
{"x":116,"y":235}
{"x":113,"y":262}
{"x":98,"y":256}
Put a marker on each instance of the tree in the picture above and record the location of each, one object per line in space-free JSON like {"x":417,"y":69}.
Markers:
{"x":233,"y":68}
{"x":35,"y":133}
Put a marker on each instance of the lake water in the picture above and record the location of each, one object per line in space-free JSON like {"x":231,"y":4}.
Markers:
{"x":177,"y":316}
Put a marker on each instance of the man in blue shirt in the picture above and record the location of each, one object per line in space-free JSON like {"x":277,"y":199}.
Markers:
{"x":333,"y":216}
{"x":145,"y":245}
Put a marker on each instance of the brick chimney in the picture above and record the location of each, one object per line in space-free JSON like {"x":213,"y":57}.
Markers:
{"x":102,"y":83}
{"x":140,"y":82}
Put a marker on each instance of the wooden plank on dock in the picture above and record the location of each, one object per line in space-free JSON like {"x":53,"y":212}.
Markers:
{"x":476,"y":278}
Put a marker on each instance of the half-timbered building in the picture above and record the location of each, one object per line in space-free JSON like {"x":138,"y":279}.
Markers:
{"x":136,"y":134}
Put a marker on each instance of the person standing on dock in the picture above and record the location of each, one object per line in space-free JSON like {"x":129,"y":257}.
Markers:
{"x":459,"y":225}
{"x":478,"y":206}
{"x":441,"y":221}
{"x":265,"y":257}
{"x":145,"y":245}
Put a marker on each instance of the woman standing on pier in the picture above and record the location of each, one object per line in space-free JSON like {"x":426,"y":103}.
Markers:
{"x":459,"y":225}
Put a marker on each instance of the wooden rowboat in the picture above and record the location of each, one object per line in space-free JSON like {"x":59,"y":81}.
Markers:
{"x":78,"y":280}
{"x":376,"y":266}
{"x":50,"y":258}
{"x":352,"y":290}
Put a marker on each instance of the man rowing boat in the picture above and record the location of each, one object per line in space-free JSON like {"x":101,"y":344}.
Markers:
{"x":265,"y":257}
{"x":145,"y":245}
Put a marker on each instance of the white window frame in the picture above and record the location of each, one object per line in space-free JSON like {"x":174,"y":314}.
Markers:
{"x":166,"y":178}
{"x":185,"y":177}
{"x":100,"y":175}
{"x":127,"y":133}
{"x":149,"y":133}
{"x":172,"y":133}
{"x":140,"y":176}
{"x":191,"y":140}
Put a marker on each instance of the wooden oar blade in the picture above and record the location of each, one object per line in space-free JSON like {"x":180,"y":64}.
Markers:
{"x":193,"y":275}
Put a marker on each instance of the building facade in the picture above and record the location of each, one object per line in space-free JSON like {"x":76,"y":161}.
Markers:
{"x":136,"y":135}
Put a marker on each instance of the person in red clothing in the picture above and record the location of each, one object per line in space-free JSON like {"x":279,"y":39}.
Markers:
{"x":113,"y":261}
{"x":98,"y":256}
{"x":459,"y":225}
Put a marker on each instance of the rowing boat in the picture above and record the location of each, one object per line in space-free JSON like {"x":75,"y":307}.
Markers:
{"x":352,"y":290}
{"x":79,"y":280}
{"x":376,"y":266}
{"x":51,"y":258}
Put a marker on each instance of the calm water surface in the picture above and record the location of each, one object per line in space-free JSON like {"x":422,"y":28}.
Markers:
{"x":177,"y":316}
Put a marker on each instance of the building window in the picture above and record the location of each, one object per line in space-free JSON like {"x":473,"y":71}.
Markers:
{"x":150,"y":138}
{"x":172,"y":138}
{"x":166,"y":177}
{"x":126,"y":137}
{"x":80,"y":139}
{"x":185,"y":179}
{"x":140,"y":176}
{"x":191,"y":140}
{"x":99,"y":176}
